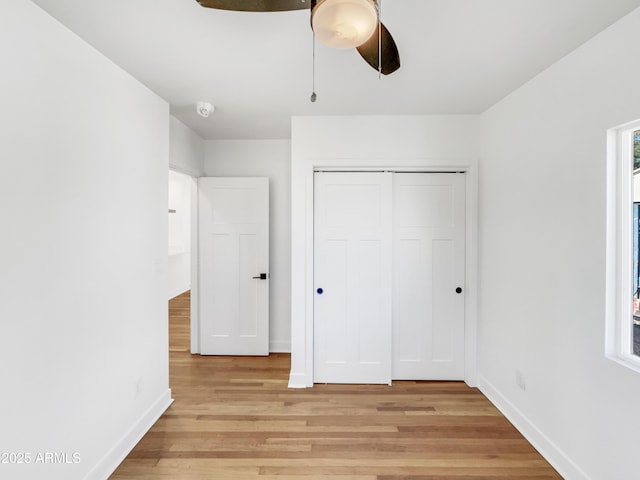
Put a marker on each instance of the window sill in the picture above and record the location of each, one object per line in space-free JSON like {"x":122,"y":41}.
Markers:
{"x":630,"y":361}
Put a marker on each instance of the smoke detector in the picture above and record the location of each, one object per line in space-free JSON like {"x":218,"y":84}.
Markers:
{"x":204,"y":109}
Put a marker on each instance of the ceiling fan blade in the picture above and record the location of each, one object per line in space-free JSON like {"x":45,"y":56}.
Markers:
{"x":390,"y":55}
{"x":256,"y":5}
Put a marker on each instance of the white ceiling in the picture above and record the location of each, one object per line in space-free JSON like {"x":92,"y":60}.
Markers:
{"x":458,"y":56}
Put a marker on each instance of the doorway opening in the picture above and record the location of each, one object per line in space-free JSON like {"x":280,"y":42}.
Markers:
{"x":179,"y":237}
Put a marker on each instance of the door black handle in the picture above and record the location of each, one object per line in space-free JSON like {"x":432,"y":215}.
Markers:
{"x":262,"y":276}
{"x":458,"y":290}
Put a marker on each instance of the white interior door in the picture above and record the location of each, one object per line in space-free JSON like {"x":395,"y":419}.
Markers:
{"x":428,"y":243}
{"x":233,"y":265}
{"x":352,"y":270}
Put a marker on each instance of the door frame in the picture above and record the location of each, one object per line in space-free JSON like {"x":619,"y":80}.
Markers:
{"x":195,"y":262}
{"x":302,"y":375}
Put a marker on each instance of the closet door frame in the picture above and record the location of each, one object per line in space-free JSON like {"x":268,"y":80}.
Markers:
{"x":470,"y":281}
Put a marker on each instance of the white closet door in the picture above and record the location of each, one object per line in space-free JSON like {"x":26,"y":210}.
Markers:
{"x":233,"y":265}
{"x":353,"y":280}
{"x":428,"y":243}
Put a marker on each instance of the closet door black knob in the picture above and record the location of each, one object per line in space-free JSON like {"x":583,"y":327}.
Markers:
{"x":458,"y":290}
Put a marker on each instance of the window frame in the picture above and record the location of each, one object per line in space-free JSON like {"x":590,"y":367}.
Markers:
{"x":619,"y":255}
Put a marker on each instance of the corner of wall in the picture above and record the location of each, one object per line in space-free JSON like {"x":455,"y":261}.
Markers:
{"x":186,"y":149}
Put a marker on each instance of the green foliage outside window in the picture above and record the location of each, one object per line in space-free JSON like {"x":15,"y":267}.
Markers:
{"x":636,"y":149}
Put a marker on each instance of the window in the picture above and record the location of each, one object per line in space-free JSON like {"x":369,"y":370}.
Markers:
{"x":636,"y":244}
{"x":623,"y":245}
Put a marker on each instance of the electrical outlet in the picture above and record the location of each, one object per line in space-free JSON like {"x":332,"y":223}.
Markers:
{"x":520,"y":380}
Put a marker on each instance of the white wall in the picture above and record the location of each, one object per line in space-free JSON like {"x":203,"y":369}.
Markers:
{"x":83,"y":252}
{"x":420,"y":142}
{"x":186,"y":149}
{"x":542,"y":259}
{"x":179,"y":218}
{"x":265,"y":158}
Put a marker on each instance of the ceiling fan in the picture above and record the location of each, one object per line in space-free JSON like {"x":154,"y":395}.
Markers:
{"x":336,"y":23}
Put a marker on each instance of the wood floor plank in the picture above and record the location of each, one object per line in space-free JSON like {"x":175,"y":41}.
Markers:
{"x":235,"y":418}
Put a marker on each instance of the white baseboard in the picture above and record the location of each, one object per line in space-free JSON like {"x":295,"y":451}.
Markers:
{"x":120,"y":450}
{"x":280,"y":347}
{"x":549,"y":450}
{"x":298,"y":380}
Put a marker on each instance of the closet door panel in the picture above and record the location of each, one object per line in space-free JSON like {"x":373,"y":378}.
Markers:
{"x":352,"y":275}
{"x":428,"y":313}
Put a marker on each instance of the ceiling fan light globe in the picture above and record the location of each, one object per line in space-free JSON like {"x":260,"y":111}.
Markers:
{"x":344,"y":23}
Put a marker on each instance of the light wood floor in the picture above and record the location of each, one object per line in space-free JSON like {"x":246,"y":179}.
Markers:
{"x":235,"y":418}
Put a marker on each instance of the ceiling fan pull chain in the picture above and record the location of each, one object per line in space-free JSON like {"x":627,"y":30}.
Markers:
{"x":379,"y":39}
{"x":313,"y":68}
